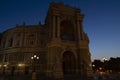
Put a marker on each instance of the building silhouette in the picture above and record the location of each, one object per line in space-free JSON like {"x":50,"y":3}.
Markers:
{"x":60,"y":46}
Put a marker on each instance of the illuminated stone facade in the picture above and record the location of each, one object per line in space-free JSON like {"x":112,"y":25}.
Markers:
{"x":61,"y":45}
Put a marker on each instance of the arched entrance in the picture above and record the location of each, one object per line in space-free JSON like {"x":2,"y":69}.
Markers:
{"x":69,"y":63}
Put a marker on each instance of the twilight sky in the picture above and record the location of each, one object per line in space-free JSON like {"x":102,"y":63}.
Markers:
{"x":101,"y":22}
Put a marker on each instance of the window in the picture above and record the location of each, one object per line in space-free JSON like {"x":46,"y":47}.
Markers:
{"x":10,"y":42}
{"x":31,"y":40}
{"x":17,"y":43}
{"x":67,"y":30}
{"x":4,"y":42}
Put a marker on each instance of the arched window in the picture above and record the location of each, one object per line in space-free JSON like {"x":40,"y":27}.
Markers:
{"x":67,"y":30}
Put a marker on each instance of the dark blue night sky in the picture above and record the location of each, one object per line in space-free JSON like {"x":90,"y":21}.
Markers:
{"x":101,"y":22}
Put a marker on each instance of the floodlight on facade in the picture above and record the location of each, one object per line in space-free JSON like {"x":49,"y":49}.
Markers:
{"x":21,"y":65}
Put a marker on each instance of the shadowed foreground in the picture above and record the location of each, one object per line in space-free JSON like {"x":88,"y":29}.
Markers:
{"x":39,"y":77}
{"x":70,"y":77}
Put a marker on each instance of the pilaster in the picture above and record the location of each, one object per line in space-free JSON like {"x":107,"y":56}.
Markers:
{"x":81,"y":30}
{"x":22,"y":39}
{"x":78,"y":28}
{"x":58,"y":27}
{"x":53,"y":35}
{"x":54,"y":66}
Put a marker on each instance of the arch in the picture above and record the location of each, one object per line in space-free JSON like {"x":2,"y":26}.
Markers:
{"x":69,"y":63}
{"x":67,"y":30}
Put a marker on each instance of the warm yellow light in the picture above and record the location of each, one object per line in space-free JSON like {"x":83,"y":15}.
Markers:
{"x":0,"y":65}
{"x":93,"y":65}
{"x":31,"y":57}
{"x":20,"y":65}
{"x":5,"y":65}
{"x":100,"y":68}
{"x":35,"y":56}
{"x":97,"y":70}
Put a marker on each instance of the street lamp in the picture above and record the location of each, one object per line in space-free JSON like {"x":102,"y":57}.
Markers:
{"x":34,"y":58}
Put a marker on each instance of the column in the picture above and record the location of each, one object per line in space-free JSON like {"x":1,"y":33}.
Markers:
{"x":58,"y":27}
{"x":58,"y":72}
{"x":78,"y":28}
{"x":7,"y":42}
{"x":81,"y":30}
{"x":25,"y":39}
{"x":21,"y":41}
{"x":36,"y":39}
{"x":14,"y":40}
{"x":53,"y":35}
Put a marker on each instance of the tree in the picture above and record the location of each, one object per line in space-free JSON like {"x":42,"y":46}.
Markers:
{"x":98,"y":65}
{"x":112,"y":65}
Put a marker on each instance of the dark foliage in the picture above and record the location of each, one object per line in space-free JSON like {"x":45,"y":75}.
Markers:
{"x":111,"y":65}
